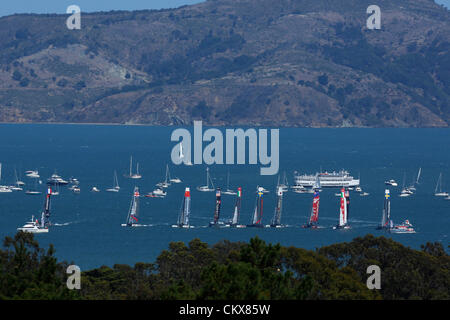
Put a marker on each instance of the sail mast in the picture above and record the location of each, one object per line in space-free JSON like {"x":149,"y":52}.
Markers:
{"x":131,"y":164}
{"x":257,"y":215}
{"x":237,"y":207}
{"x":217,"y":209}
{"x":276,"y":220}
{"x":187,"y":207}
{"x":386,"y":210}
{"x":45,"y":218}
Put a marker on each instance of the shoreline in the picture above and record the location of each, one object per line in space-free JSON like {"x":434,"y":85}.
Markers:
{"x":218,"y":126}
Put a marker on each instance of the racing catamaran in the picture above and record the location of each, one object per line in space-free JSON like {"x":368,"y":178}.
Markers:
{"x":258,"y":213}
{"x":34,"y":226}
{"x":343,"y":210}
{"x":132,"y":217}
{"x":183,"y":217}
{"x":276,"y":219}
{"x":216,"y":222}
{"x":386,"y":217}
{"x":314,"y":217}
{"x":237,"y":210}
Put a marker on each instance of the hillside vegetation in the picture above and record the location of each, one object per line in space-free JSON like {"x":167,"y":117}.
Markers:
{"x":232,"y":62}
{"x":235,"y":271}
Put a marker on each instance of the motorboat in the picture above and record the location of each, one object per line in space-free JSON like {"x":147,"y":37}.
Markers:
{"x":33,"y":227}
{"x":405,"y":227}
{"x":391,"y":182}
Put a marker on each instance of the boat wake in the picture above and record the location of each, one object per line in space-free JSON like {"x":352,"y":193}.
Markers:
{"x":64,"y":224}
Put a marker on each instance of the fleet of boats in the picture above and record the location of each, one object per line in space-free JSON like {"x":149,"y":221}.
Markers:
{"x":303,"y":184}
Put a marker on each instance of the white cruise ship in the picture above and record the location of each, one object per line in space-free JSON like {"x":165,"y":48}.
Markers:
{"x":327,"y":179}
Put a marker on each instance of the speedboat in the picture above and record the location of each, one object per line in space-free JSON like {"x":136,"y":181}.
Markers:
{"x":76,"y":190}
{"x":175,"y":180}
{"x":32,"y":174}
{"x":55,"y":180}
{"x":364,"y":194}
{"x":391,"y":182}
{"x":95,"y":189}
{"x":405,"y":227}
{"x":33,"y":227}
{"x":5,"y":189}
{"x":157,"y":193}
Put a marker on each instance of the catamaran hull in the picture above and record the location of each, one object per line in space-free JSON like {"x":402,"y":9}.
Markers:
{"x":37,"y":230}
{"x":275,"y":226}
{"x":310,"y":226}
{"x":341,"y":227}
{"x":182,"y":226}
{"x":401,"y":231}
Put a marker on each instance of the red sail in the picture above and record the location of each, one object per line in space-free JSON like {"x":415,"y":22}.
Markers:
{"x":315,"y":208}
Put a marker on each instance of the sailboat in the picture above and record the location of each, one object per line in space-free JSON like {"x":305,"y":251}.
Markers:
{"x":134,"y":175}
{"x":234,"y":223}
{"x":314,"y":217}
{"x":55,"y":192}
{"x":133,"y":212}
{"x":216,"y":222}
{"x":166,"y":182}
{"x":386,"y":217}
{"x":276,"y":219}
{"x":174,"y":180}
{"x":343,"y":213}
{"x":258,"y":213}
{"x":183,"y":217}
{"x":412,"y":187}
{"x":439,"y":186}
{"x":229,"y":191}
{"x":405,"y":191}
{"x":207,"y":188}
{"x":18,"y":184}
{"x":3,"y":189}
{"x":34,"y":226}
{"x":116,"y":187}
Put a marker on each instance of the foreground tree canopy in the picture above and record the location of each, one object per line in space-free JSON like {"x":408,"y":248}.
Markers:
{"x":227,"y":270}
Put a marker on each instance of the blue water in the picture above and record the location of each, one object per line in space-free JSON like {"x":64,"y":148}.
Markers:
{"x":87,"y":227}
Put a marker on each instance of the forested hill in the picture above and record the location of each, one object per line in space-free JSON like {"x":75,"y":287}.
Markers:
{"x":234,"y":271}
{"x":232,"y":62}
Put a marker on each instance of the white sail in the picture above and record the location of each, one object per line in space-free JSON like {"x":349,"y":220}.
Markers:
{"x":343,"y":210}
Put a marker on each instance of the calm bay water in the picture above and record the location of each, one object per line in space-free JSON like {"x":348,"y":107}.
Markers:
{"x":87,"y":227}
